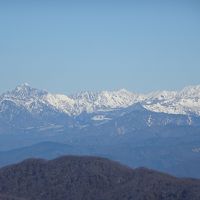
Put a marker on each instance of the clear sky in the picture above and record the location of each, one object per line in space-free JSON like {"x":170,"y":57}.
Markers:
{"x":69,"y":46}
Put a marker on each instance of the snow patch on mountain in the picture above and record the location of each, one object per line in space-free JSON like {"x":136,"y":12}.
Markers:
{"x":100,"y":118}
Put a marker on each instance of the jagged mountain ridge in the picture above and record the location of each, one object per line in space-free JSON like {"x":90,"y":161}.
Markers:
{"x":33,"y":100}
{"x":187,"y":101}
{"x":29,"y":109}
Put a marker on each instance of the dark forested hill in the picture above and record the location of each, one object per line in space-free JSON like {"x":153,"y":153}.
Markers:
{"x":90,"y":178}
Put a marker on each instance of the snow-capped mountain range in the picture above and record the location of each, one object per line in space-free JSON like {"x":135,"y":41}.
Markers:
{"x":186,"y":101}
{"x":150,"y":130}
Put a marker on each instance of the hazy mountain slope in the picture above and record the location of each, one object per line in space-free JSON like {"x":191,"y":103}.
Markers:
{"x":179,"y":156}
{"x":46,"y":150}
{"x":89,"y":178}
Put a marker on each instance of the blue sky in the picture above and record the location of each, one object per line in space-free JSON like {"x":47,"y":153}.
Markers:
{"x":69,"y":46}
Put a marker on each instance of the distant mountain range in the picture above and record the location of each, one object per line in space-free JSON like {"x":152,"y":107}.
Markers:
{"x":26,"y":108}
{"x":158,"y":130}
{"x":186,"y":101}
{"x":87,"y":178}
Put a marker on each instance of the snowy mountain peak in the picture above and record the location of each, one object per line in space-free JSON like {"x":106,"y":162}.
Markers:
{"x":186,"y":101}
{"x":22,"y":87}
{"x":25,"y":91}
{"x":190,"y":91}
{"x":86,"y":95}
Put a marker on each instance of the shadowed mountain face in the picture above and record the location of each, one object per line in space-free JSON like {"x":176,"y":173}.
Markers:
{"x":87,"y":178}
